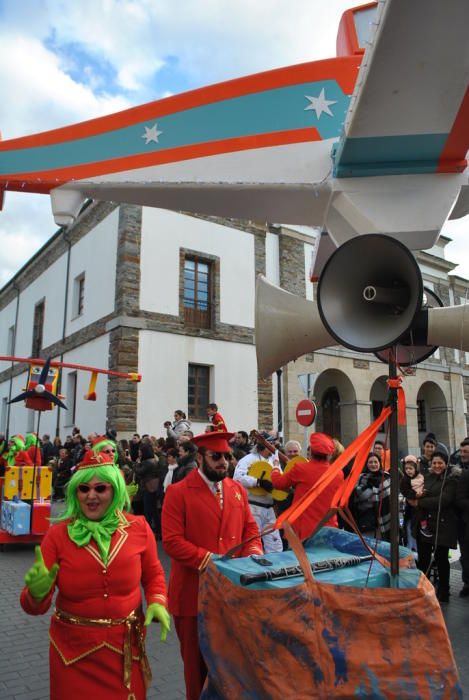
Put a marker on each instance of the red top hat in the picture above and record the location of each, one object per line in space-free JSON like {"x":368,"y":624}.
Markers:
{"x":321,"y":444}
{"x":217,"y":442}
{"x":91,"y":460}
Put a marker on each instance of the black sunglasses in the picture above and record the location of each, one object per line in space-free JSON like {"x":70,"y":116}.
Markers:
{"x":99,"y":488}
{"x":218,"y":455}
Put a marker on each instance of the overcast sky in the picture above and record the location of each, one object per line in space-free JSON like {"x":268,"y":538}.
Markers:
{"x":64,"y":61}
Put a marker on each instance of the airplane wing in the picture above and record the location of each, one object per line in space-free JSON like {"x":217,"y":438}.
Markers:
{"x":407,"y":129}
{"x":255,"y":148}
{"x":307,"y":144}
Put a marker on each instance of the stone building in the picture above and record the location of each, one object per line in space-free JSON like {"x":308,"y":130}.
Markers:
{"x":171,"y":296}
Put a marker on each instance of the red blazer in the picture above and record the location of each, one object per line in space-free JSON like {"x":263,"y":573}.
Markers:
{"x":89,"y":588}
{"x":302,"y":477}
{"x":194,"y":527}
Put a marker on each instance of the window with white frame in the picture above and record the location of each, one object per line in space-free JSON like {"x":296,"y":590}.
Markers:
{"x":38,"y":328}
{"x":71,"y":398}
{"x":3,"y":417}
{"x":78,"y":300}
{"x":11,"y":341}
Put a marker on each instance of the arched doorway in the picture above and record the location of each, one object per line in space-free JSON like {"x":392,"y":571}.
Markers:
{"x":378,"y":398}
{"x":330,"y":405}
{"x":337,"y":405}
{"x":432,"y":413}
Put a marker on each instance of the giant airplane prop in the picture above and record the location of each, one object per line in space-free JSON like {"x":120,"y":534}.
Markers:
{"x":370,"y":142}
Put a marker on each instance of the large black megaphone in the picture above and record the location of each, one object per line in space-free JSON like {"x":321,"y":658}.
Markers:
{"x":370,"y":292}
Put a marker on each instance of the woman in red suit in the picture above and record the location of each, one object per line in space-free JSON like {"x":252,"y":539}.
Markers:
{"x":98,"y":557}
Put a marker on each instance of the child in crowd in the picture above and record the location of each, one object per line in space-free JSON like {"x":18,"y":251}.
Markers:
{"x":412,"y":488}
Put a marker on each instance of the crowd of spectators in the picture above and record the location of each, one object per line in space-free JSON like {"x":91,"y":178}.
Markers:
{"x":434,"y":486}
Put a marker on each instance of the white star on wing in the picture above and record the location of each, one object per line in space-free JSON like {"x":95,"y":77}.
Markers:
{"x":320,"y":104}
{"x":151,"y":134}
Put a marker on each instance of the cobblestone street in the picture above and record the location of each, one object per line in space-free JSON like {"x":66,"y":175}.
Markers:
{"x":24,"y":673}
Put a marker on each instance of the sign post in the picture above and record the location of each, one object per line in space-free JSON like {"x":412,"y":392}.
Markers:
{"x":307,"y":382}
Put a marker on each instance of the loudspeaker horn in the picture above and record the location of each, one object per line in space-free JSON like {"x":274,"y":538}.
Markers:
{"x":370,"y":292}
{"x":449,"y":326}
{"x":413,"y":347}
{"x":287,"y":326}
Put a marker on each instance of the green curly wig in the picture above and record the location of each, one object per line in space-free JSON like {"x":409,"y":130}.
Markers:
{"x":107,"y":474}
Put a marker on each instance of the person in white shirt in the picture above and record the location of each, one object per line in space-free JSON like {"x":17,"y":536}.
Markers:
{"x":261,"y":506}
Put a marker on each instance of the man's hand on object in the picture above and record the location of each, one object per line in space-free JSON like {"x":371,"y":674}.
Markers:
{"x":265,"y":484}
{"x":39,"y":579}
{"x":158,"y":612}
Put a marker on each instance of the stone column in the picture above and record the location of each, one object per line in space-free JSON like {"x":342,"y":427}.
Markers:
{"x":124,"y":337}
{"x":264,"y":386}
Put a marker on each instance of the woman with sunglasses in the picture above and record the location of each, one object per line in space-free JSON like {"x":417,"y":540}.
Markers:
{"x":98,"y":558}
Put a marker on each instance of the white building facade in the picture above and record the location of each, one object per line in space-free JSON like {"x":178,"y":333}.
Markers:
{"x":171,"y":296}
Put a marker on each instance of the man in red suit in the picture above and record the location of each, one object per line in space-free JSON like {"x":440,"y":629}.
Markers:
{"x":204,"y":514}
{"x":302,"y":477}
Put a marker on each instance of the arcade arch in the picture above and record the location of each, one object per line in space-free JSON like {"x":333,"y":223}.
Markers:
{"x":433,"y":413}
{"x":336,"y":402}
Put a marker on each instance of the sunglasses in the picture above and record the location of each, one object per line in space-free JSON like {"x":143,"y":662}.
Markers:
{"x":109,"y":451}
{"x":99,"y":488}
{"x":216,"y":456}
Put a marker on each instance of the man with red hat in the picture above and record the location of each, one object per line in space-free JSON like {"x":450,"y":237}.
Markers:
{"x":204,"y":514}
{"x":302,"y":478}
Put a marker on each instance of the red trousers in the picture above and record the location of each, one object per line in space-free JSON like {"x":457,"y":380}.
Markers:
{"x":195,"y":670}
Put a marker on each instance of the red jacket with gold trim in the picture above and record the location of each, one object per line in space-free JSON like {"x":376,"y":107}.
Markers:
{"x":89,"y":588}
{"x":194,"y":526}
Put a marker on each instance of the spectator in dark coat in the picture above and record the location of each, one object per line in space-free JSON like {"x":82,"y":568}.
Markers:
{"x":436,"y":506}
{"x":462,"y":504}
{"x":187,"y":461}
{"x":146,"y":470}
{"x":49,"y":450}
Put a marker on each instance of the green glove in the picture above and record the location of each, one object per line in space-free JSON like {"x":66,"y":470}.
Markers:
{"x":131,"y":489}
{"x":155,"y":611}
{"x":39,"y":579}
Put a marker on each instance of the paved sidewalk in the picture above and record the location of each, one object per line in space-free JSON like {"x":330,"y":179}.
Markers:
{"x":24,"y":673}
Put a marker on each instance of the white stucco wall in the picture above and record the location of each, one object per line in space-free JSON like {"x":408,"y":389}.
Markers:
{"x":95,"y":255}
{"x":7,"y":319}
{"x":90,"y":415}
{"x":165,"y":232}
{"x":49,"y":286}
{"x":163,"y":362}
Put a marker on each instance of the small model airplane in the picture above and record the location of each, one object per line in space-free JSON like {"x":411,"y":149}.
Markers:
{"x":41,"y":392}
{"x":371,"y":141}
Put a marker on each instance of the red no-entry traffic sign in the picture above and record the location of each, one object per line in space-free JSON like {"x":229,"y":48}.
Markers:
{"x":306,"y":412}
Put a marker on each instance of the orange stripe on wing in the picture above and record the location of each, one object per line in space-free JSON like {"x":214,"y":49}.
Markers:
{"x":44,"y":181}
{"x":343,"y":70}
